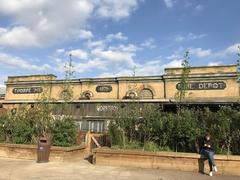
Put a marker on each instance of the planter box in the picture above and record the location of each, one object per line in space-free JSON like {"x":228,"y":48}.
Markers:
{"x":227,"y":165}
{"x":22,"y":151}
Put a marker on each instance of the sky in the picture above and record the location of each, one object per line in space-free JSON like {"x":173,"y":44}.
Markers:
{"x":109,"y":38}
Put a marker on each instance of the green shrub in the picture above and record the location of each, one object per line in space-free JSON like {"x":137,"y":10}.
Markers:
{"x":2,"y":129}
{"x":133,"y":145}
{"x":22,"y":132}
{"x":27,"y":125}
{"x":165,"y":148}
{"x":116,"y":135}
{"x":151,"y":146}
{"x":184,"y":130}
{"x":151,"y":128}
{"x":64,"y":132}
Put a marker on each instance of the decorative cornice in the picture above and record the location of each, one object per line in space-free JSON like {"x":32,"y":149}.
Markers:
{"x":123,"y":79}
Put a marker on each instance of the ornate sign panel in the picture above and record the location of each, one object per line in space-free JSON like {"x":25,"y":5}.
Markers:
{"x":105,"y":108}
{"x":104,"y":88}
{"x":217,"y":85}
{"x":28,"y":90}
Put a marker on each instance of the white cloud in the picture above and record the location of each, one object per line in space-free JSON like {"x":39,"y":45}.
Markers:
{"x":79,"y":53}
{"x":156,"y":67}
{"x":125,"y":48}
{"x":179,"y":38}
{"x":98,"y":55}
{"x":3,"y":78}
{"x":2,"y":30}
{"x":189,"y":36}
{"x":173,"y":56}
{"x":7,"y":60}
{"x":198,"y":8}
{"x":117,"y":36}
{"x":214,"y":57}
{"x":114,"y":57}
{"x":117,"y":9}
{"x":168,"y":3}
{"x":214,"y":63}
{"x":85,"y":34}
{"x":120,"y":60}
{"x":149,"y":43}
{"x":18,"y":36}
{"x":44,"y":22}
{"x":91,"y":65}
{"x":233,"y":49}
{"x":79,"y":67}
{"x":106,"y":74}
{"x":60,"y":51}
{"x":95,"y":44}
{"x":227,"y":52}
{"x":2,"y":89}
{"x":201,"y":53}
{"x":150,"y":68}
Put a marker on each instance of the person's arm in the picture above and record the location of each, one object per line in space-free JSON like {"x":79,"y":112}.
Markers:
{"x":207,"y":144}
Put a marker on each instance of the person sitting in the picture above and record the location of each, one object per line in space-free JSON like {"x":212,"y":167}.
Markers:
{"x":208,"y":151}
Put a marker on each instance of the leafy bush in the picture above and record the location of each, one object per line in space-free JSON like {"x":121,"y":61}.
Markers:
{"x":151,"y":146}
{"x":184,"y":130}
{"x":155,"y":129}
{"x":116,"y":135}
{"x":27,"y":125}
{"x":2,"y":128}
{"x":64,"y":132}
{"x":22,"y":133}
{"x":133,"y":145}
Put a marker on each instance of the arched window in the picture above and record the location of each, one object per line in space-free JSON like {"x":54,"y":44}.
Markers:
{"x":86,"y":95}
{"x":146,"y":94}
{"x":131,"y":95}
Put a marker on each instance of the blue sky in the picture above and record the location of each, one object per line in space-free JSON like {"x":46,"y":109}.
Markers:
{"x":113,"y":37}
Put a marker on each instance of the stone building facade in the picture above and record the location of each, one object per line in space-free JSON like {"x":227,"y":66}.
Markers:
{"x":94,"y":98}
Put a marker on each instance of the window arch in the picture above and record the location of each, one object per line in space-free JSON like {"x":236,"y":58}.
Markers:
{"x":146,"y":94}
{"x":131,"y":95}
{"x":86,"y":95}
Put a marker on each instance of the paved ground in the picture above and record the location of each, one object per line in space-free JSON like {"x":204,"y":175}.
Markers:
{"x":25,"y":169}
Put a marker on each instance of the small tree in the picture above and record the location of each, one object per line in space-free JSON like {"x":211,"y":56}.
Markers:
{"x":42,"y":113}
{"x":183,"y":86}
{"x":238,"y":67}
{"x":67,"y":91}
{"x":132,"y":85}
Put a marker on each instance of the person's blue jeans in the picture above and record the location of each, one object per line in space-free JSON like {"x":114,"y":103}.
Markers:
{"x":210,"y":156}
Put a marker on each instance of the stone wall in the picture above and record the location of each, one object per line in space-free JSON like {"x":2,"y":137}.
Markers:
{"x":210,"y":82}
{"x":227,"y":165}
{"x":20,"y":151}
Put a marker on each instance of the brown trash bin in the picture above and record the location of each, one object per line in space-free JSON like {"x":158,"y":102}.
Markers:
{"x":43,"y":150}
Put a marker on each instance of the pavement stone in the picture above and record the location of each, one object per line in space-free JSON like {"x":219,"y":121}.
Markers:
{"x":15,"y":169}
